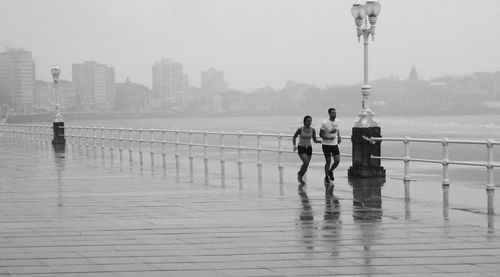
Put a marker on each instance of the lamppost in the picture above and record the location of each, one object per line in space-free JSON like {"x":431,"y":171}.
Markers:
{"x":56,"y":71}
{"x":365,"y":18}
{"x":58,"y":124}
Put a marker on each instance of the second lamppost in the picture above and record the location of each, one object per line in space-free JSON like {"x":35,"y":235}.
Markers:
{"x":58,"y":124}
{"x":365,"y":17}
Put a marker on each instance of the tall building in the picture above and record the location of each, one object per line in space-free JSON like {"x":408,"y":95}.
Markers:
{"x":212,"y":81}
{"x":17,"y":80}
{"x":168,"y":83}
{"x":43,"y":97}
{"x":94,"y":86}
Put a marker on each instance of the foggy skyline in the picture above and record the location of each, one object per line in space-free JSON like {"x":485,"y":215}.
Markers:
{"x":256,"y":43}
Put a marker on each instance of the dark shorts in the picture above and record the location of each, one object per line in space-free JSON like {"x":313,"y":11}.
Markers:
{"x":330,"y":150}
{"x":308,"y":150}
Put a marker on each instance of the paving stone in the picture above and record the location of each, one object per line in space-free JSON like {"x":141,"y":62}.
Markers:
{"x":79,"y":214}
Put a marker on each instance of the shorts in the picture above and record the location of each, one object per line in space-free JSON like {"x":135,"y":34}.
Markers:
{"x":308,"y":150}
{"x":330,"y":150}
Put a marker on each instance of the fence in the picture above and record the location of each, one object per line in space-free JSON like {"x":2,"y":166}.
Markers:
{"x":155,"y":142}
{"x":230,"y":144}
{"x":445,"y":161}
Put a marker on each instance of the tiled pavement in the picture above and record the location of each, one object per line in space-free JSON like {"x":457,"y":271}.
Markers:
{"x":77,"y":214}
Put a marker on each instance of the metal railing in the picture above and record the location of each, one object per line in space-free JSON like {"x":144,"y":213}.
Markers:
{"x":156,"y":142}
{"x":445,"y":161}
{"x":234,"y":144}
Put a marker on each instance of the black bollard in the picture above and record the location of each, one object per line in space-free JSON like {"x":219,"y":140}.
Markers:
{"x":363,"y":165}
{"x":58,"y":128}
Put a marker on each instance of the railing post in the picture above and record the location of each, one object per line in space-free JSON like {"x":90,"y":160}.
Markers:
{"x":205,"y":158}
{"x":163,"y":153}
{"x":240,"y":164}
{"x":280,"y":160}
{"x":152,"y":150}
{"x":87,"y":139}
{"x":490,"y":186}
{"x":120,"y":144}
{"x":140,"y":148}
{"x":406,"y":177}
{"x":103,"y":138}
{"x":80,"y":137}
{"x":111,"y":146}
{"x":177,"y":155}
{"x":95,"y":139}
{"x":191,"y":158}
{"x":130,"y":144}
{"x":41,"y":134}
{"x":102,"y":142}
{"x":259,"y":162}
{"x":222,"y":162}
{"x":446,"y":179}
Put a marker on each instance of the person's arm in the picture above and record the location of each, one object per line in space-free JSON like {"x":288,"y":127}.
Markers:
{"x":315,"y":139}
{"x":338,"y":135}
{"x":297,"y":133}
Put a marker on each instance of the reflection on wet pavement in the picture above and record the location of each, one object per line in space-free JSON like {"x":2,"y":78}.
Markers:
{"x":59,"y":159}
{"x":63,"y":212}
{"x":306,"y":220}
{"x":367,"y":211}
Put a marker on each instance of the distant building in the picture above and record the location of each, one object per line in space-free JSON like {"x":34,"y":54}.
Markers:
{"x":131,"y":97}
{"x":45,"y":99}
{"x":94,"y":85}
{"x":17,"y":80}
{"x":212,"y":81}
{"x":413,"y":77}
{"x":168,"y":83}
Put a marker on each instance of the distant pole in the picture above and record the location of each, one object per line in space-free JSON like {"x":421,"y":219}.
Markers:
{"x":365,"y":18}
{"x":58,"y":124}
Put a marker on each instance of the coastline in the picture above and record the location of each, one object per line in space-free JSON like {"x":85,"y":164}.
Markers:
{"x":98,"y":116}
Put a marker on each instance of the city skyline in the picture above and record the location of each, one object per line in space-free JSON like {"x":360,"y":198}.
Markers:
{"x":68,"y":76}
{"x":256,"y":43}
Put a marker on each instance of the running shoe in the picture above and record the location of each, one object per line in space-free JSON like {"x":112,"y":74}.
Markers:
{"x":330,"y":175}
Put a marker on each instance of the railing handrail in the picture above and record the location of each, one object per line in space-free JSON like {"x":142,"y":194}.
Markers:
{"x":442,"y":140}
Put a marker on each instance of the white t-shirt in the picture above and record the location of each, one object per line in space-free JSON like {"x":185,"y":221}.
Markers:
{"x":328,"y":126}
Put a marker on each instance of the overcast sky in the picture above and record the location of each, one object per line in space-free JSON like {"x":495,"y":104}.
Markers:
{"x":255,"y":42}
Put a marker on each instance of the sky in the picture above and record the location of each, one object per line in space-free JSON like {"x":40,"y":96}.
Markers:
{"x":256,"y":43}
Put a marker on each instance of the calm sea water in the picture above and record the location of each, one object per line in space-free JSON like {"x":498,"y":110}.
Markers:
{"x":453,"y":127}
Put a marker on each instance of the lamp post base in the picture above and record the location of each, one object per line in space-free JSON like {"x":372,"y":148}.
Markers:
{"x":58,"y":128}
{"x":363,"y":166}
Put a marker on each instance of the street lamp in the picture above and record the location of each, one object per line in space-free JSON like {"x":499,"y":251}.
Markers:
{"x":58,"y":124}
{"x":56,"y":71}
{"x":365,"y":17}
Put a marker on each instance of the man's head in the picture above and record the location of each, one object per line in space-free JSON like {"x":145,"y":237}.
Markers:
{"x":332,"y":112}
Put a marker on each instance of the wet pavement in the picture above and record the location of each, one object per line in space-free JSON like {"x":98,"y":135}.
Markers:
{"x":71,"y":213}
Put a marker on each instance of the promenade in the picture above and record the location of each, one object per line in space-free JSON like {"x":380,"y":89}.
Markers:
{"x":72,"y":213}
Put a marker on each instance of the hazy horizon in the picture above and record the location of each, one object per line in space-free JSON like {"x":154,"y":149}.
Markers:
{"x":256,"y":43}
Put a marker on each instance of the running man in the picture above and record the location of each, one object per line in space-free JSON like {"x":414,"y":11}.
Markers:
{"x":330,"y":135}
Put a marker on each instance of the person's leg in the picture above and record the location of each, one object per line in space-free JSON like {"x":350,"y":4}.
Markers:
{"x":328,"y":160}
{"x":305,"y":164}
{"x":336,"y":161}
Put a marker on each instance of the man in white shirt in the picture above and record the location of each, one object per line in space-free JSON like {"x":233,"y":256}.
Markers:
{"x":330,"y":134}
